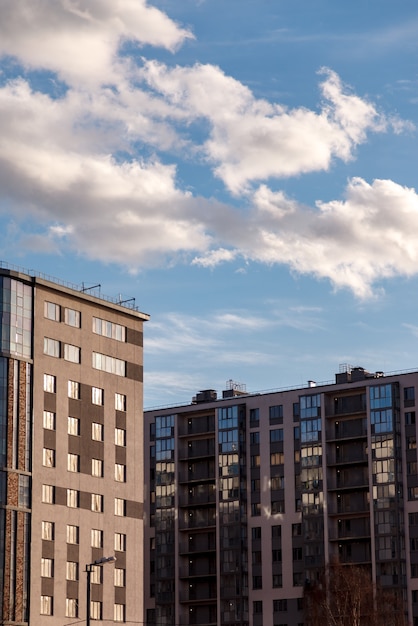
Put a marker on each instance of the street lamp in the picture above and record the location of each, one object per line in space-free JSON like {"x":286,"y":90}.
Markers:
{"x":89,"y":569}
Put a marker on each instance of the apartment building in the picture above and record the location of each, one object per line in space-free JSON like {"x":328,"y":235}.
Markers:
{"x":71,"y":456}
{"x":249,"y":497}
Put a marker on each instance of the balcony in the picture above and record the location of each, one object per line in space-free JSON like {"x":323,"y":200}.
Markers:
{"x":197,"y":449}
{"x":197,"y":425}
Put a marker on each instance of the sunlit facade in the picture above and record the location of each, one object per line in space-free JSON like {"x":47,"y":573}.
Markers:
{"x":249,"y":497}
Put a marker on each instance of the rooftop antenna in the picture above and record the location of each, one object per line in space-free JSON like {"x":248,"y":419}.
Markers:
{"x":83,"y":289}
{"x":125,"y":301}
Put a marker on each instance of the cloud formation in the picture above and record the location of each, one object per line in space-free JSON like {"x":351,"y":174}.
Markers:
{"x":96,"y":165}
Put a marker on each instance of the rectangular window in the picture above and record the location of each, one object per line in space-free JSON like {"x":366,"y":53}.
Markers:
{"x":120,"y":542}
{"x":96,"y":610}
{"x":254,"y":417}
{"x":109,"y":329}
{"x":48,"y":531}
{"x":97,"y":431}
{"x":277,"y":580}
{"x":73,"y":534}
{"x":72,"y":318}
{"x":120,"y":507}
{"x":72,"y":570}
{"x":46,"y":605}
{"x":257,"y":582}
{"x":97,"y":468}
{"x":120,"y":402}
{"x":48,"y":494}
{"x":120,"y":437}
{"x":71,"y":607}
{"x":48,"y":457}
{"x":119,"y":577}
{"x":52,"y":311}
{"x":255,"y":438}
{"x":256,"y":509}
{"x":120,"y":472}
{"x":47,"y":568}
{"x":276,"y":435}
{"x":72,"y":353}
{"x":277,"y":458}
{"x":256,"y":533}
{"x":276,"y":413}
{"x":96,"y":538}
{"x":97,"y":396}
{"x":50,"y":383}
{"x":119,"y":613}
{"x":96,"y":575}
{"x":73,"y":462}
{"x":257,"y":607}
{"x":74,"y":390}
{"x":97,"y":502}
{"x":51,"y":347}
{"x":279,"y":606}
{"x":72,"y":498}
{"x":73,"y":426}
{"x":108,"y":364}
{"x":49,"y":420}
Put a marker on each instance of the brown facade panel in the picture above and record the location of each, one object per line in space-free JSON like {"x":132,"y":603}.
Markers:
{"x":120,"y":455}
{"x":136,"y":337}
{"x":50,"y":439}
{"x":20,"y":566}
{"x":61,"y":496}
{"x":134,"y":371}
{"x":120,"y":419}
{"x":134,"y":509}
{"x":73,"y":552}
{"x":85,"y":500}
{"x":50,"y":402}
{"x":12,"y":489}
{"x":120,"y":595}
{"x":47,"y":549}
{"x":22,"y":417}
{"x":72,"y":588}
{"x":47,"y":586}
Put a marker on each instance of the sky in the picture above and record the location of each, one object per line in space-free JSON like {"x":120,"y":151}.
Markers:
{"x":245,"y":169}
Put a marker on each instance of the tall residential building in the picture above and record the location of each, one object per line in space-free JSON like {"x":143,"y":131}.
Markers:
{"x":249,"y":497}
{"x":71,"y":455}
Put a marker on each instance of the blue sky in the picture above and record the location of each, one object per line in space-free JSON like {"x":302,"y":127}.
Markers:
{"x":245,"y":169}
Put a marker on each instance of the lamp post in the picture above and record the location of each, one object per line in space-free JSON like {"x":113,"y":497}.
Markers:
{"x":89,"y":569}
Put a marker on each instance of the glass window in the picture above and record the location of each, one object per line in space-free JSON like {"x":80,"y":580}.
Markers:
{"x":120,"y":542}
{"x":255,"y":438}
{"x":120,"y":402}
{"x":120,"y":437}
{"x":49,"y":420}
{"x":119,"y":577}
{"x":96,"y":610}
{"x":97,"y":431}
{"x":97,"y":502}
{"x":73,"y":389}
{"x":71,"y":607}
{"x":254,"y":417}
{"x":109,"y":329}
{"x":47,"y":567}
{"x":97,"y":395}
{"x":120,"y":507}
{"x":48,"y":531}
{"x":48,"y":494}
{"x":48,"y":457}
{"x":72,"y":353}
{"x":97,"y":468}
{"x":52,"y":311}
{"x":119,"y":613}
{"x":96,"y":538}
{"x":276,"y":412}
{"x":276,"y":435}
{"x":51,"y":347}
{"x":72,"y":498}
{"x":96,"y":575}
{"x":108,"y":364}
{"x":72,"y":318}
{"x":49,"y":383}
{"x":73,"y":534}
{"x":46,"y":605}
{"x":73,"y":462}
{"x":120,"y":472}
{"x":72,"y":570}
{"x":73,"y":426}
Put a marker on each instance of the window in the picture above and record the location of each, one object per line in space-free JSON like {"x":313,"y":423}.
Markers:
{"x":120,"y":437}
{"x":48,"y":457}
{"x":97,"y":395}
{"x":96,"y":538}
{"x":73,"y":426}
{"x":72,"y":353}
{"x":119,"y":613}
{"x":279,"y":606}
{"x":51,"y":347}
{"x":97,"y":431}
{"x":108,"y":364}
{"x":120,"y":507}
{"x":52,"y":311}
{"x":97,"y":468}
{"x":256,"y":509}
{"x":49,"y":383}
{"x":297,"y":579}
{"x":96,"y":575}
{"x":120,"y":402}
{"x":255,"y":438}
{"x":49,"y":420}
{"x":109,"y":329}
{"x":119,"y":577}
{"x":96,"y":610}
{"x":410,"y":418}
{"x":72,"y":570}
{"x":47,"y":568}
{"x":257,"y":582}
{"x":48,"y":494}
{"x":296,"y":530}
{"x":71,"y":607}
{"x":48,"y":531}
{"x":73,"y":462}
{"x":257,"y":607}
{"x":120,"y":472}
{"x":276,"y":435}
{"x":276,"y":458}
{"x":255,"y":460}
{"x":276,"y":531}
{"x":73,"y":534}
{"x":256,"y":533}
{"x":409,"y":396}
{"x":72,"y":318}
{"x":276,"y":555}
{"x":46,"y":605}
{"x":277,"y":506}
{"x":277,"y":482}
{"x":297,"y":554}
{"x":73,"y":390}
{"x":277,"y":580}
{"x":276,"y":412}
{"x":120,"y":542}
{"x":254,"y":417}
{"x":97,"y":502}
{"x":72,"y":498}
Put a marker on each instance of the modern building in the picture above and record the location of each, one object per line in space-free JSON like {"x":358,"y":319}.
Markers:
{"x":71,"y":455}
{"x":249,"y":497}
